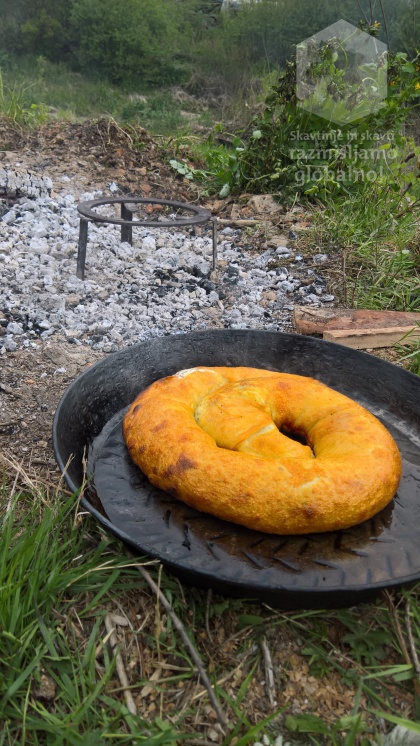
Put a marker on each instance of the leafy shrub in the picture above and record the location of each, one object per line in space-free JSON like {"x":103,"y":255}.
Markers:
{"x":128,"y":40}
{"x":43,"y":34}
{"x":295,"y":150}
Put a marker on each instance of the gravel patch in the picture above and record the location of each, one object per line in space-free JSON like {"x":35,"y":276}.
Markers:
{"x":162,"y":284}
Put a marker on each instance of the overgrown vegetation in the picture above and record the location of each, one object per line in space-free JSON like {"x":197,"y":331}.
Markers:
{"x":363,"y":175}
{"x":413,"y":356}
{"x":377,"y":239}
{"x":299,"y":152}
{"x":61,"y":579}
{"x":14,"y":106}
{"x":141,"y":43}
{"x":35,"y":90}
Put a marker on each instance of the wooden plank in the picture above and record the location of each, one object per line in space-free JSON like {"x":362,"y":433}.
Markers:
{"x":317,"y":320}
{"x":362,"y":339}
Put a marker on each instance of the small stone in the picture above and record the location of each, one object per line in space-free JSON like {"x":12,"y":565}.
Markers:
{"x":286,"y":286}
{"x":46,"y":689}
{"x":311,"y":298}
{"x":9,"y":217}
{"x":270,"y":295}
{"x":277,"y":240}
{"x":39,"y":245}
{"x":149,"y":243}
{"x":201,"y":269}
{"x":9,"y":344}
{"x":73,"y":300}
{"x":14,"y":328}
{"x":39,"y":231}
{"x":265,"y":203}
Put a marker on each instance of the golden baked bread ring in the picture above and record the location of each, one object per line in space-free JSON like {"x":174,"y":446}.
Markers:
{"x":212,"y":438}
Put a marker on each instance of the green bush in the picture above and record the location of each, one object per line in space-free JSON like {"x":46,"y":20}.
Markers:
{"x":149,"y":43}
{"x":128,"y":41}
{"x":295,"y":151}
{"x":43,"y":34}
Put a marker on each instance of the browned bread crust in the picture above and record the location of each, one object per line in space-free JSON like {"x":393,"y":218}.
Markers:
{"x":211,"y":437}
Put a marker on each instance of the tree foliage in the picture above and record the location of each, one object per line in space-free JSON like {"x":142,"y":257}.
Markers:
{"x":129,"y":39}
{"x":408,"y":27}
{"x":167,"y":41}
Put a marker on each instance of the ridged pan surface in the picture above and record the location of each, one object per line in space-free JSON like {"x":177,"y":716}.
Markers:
{"x":319,"y":570}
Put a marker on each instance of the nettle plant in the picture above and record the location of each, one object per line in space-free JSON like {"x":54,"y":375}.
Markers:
{"x":293,"y":150}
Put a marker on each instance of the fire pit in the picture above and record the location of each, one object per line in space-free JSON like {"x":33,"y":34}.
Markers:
{"x":87,"y":212}
{"x":320,"y":570}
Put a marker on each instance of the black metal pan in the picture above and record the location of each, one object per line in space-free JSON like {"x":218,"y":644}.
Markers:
{"x":315,"y":571}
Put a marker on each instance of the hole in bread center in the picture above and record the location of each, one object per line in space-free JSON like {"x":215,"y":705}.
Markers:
{"x":298,"y":437}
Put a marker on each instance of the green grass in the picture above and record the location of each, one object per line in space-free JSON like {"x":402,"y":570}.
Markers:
{"x":203,"y":161}
{"x":158,"y":112}
{"x":35,"y":85}
{"x":16,"y":108}
{"x":60,"y":576}
{"x":65,"y":94}
{"x":410,"y":354}
{"x":53,"y":579}
{"x":376,"y":235}
{"x":414,"y":365}
{"x":43,"y":89}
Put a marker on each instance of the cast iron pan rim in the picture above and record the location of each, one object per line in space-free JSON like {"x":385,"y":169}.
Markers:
{"x":319,"y":591}
{"x":202,"y":573}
